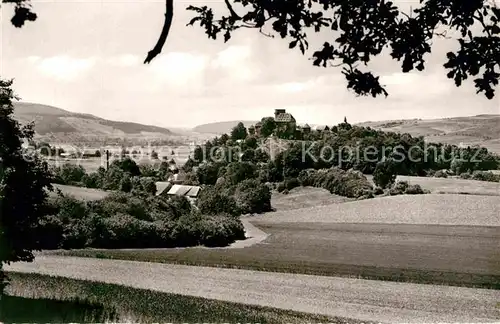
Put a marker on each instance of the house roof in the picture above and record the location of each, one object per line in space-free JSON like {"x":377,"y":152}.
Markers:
{"x":161,"y":186}
{"x":182,"y":190}
{"x":176,"y":177}
{"x":258,"y":124}
{"x":284,"y":118}
{"x":321,"y":127}
{"x":306,"y":126}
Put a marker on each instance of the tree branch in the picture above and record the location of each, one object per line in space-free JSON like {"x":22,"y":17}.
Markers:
{"x":231,"y":10}
{"x":164,"y":32}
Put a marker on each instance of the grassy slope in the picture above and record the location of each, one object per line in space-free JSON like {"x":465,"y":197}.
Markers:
{"x":454,"y":185}
{"x":221,"y":127}
{"x":431,"y":209}
{"x":60,"y":125}
{"x":483,"y":130}
{"x":150,"y":306}
{"x":80,"y":192}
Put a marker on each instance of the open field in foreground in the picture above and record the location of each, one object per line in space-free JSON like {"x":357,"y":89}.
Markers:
{"x":126,"y":304}
{"x":14,"y":309}
{"x":449,"y":255}
{"x":452,"y":185}
{"x":350,"y":298}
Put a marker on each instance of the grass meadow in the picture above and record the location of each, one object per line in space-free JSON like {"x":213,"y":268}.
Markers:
{"x":448,"y":255}
{"x":63,"y":300}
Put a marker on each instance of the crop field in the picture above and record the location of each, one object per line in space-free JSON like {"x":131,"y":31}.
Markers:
{"x":442,"y":209}
{"x":56,"y":299}
{"x":440,"y":239}
{"x":80,"y":192}
{"x":450,"y":255}
{"x":452,"y":185}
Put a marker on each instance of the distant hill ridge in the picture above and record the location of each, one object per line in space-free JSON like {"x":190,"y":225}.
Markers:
{"x":60,"y":124}
{"x":481,"y":130}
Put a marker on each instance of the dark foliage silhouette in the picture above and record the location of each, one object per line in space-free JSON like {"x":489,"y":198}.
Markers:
{"x":24,"y":179}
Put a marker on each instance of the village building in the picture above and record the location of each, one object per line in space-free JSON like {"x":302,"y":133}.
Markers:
{"x":284,"y":121}
{"x":321,"y":128}
{"x":258,"y":127}
{"x":167,"y":188}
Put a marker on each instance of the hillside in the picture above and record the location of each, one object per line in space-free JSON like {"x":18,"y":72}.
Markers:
{"x":58,"y":125}
{"x":482,"y":130}
{"x":221,"y":127}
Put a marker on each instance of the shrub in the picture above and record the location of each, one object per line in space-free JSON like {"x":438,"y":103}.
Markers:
{"x":123,"y":220}
{"x":220,"y":230}
{"x":292,"y":183}
{"x":281,"y":187}
{"x":485,"y":176}
{"x":50,"y":232}
{"x":401,"y":186}
{"x":213,"y":202}
{"x":353,"y":184}
{"x":252,"y":197}
{"x":441,"y":174}
{"x":465,"y":175}
{"x":69,"y":173}
{"x":414,"y":190}
{"x":378,"y":191}
{"x":148,"y":185}
{"x":236,"y":172}
{"x":384,"y":175}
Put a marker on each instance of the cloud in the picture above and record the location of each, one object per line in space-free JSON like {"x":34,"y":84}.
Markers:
{"x":236,"y":61}
{"x":125,"y":60}
{"x":62,"y":67}
{"x":412,"y":85}
{"x":179,"y":68}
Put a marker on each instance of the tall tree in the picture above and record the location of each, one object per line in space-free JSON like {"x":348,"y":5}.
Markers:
{"x":239,"y":132}
{"x":268,"y":126}
{"x":23,"y":183}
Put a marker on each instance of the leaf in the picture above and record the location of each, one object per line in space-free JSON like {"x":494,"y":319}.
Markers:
{"x":335,"y":25}
{"x":292,"y":44}
{"x":227,"y":36}
{"x":192,"y":21}
{"x":302,"y":48}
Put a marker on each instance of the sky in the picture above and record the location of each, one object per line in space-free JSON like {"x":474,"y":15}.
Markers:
{"x":86,"y":56}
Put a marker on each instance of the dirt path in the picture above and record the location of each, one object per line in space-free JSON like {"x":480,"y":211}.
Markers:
{"x":253,"y":235}
{"x":353,"y":298}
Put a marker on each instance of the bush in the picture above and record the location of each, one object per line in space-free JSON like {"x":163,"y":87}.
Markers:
{"x":465,"y":175}
{"x":353,"y":184}
{"x":485,"y":176}
{"x":253,"y":197}
{"x":378,"y":191}
{"x":123,"y":220}
{"x":50,"y":232}
{"x":213,"y":202}
{"x":384,"y":175}
{"x":401,"y":186}
{"x":441,"y":174}
{"x":292,"y":183}
{"x":69,"y":174}
{"x":414,"y":190}
{"x":281,"y":187}
{"x":220,"y":230}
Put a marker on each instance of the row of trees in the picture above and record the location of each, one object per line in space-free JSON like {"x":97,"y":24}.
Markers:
{"x":359,"y":148}
{"x":125,"y":220}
